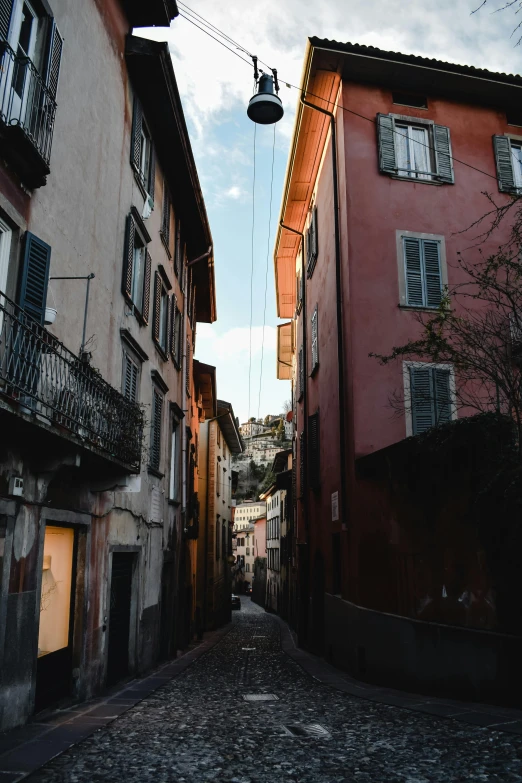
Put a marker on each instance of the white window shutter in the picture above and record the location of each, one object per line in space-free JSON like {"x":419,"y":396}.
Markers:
{"x":505,"y":174}
{"x":443,"y":156}
{"x":386,"y":135}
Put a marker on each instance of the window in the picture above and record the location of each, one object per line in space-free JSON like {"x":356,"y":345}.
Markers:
{"x":314,"y":477}
{"x":218,"y":479}
{"x":247,"y":568}
{"x":299,"y":291}
{"x":429,"y":393}
{"x":218,"y":537}
{"x":175,"y":332}
{"x":422,"y":269}
{"x":410,"y":99}
{"x":165,"y":220}
{"x":301,"y":378}
{"x":155,"y":430}
{"x":130,"y":378}
{"x":187,"y":368}
{"x":162,"y":317}
{"x":142,"y":153}
{"x":137,"y":267}
{"x":174,"y":460}
{"x":224,"y":449}
{"x":315,"y":341}
{"x":414,"y":149}
{"x":514,"y":117}
{"x":508,"y":157}
{"x":312,"y":244}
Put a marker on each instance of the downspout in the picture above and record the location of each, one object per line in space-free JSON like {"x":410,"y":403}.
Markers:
{"x":339,"y":298}
{"x":302,"y":627}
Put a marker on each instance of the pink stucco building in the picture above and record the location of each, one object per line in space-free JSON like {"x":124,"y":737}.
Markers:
{"x":390,"y":159}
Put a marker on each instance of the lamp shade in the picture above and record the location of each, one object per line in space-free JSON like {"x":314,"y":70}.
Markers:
{"x":265,"y":107}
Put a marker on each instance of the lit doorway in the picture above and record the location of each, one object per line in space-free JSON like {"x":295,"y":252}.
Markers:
{"x":54,"y":667}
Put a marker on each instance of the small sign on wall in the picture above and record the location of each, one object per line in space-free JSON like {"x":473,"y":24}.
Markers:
{"x":335,"y":506}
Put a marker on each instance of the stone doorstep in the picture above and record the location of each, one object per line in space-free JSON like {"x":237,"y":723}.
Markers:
{"x":30,"y":747}
{"x":489,"y":716}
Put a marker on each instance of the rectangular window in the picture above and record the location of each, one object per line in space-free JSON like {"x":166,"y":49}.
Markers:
{"x":422,"y":271}
{"x":175,"y":331}
{"x":136,"y":269}
{"x":131,"y":378}
{"x":161,"y":314}
{"x":187,"y":368}
{"x":218,"y":537}
{"x":155,"y":430}
{"x":299,"y":293}
{"x":315,"y":341}
{"x":142,"y":153}
{"x":414,"y":149}
{"x":165,"y":220}
{"x":312,"y":245}
{"x":430,"y":398}
{"x":300,"y":370}
{"x":174,"y":460}
{"x":410,"y":99}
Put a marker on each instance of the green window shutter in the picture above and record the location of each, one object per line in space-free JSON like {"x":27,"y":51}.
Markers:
{"x":421,"y":399}
{"x":443,"y":157}
{"x":128,"y":258}
{"x":36,"y":260}
{"x":137,"y":123}
{"x":441,"y":384}
{"x":130,"y":379}
{"x":6,"y":9}
{"x":432,"y":272}
{"x":53,"y":59}
{"x":157,"y":306}
{"x":155,"y":439}
{"x":315,"y":340}
{"x":314,"y":476}
{"x":146,"y":288}
{"x":386,"y":136}
{"x":413,"y":272}
{"x":505,"y":176}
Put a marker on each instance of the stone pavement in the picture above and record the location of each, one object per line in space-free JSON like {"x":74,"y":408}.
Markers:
{"x":198,"y":727}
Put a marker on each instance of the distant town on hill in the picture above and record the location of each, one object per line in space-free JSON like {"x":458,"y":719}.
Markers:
{"x":263,"y":438}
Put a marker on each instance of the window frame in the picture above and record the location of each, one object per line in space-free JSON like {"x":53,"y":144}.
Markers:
{"x":129,"y":356}
{"x":162,"y":315}
{"x":401,"y":265}
{"x":408,"y":407}
{"x":314,"y":340}
{"x":154,"y":466}
{"x":436,"y":176}
{"x":146,"y":180}
{"x":134,"y":227}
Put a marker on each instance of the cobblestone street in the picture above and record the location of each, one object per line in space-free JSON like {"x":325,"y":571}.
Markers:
{"x":199,"y":728}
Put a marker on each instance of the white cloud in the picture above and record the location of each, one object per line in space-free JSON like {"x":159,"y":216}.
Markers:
{"x":234,"y":192}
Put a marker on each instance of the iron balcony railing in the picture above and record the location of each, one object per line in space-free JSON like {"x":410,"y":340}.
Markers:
{"x":47,"y":380}
{"x":25,"y":100}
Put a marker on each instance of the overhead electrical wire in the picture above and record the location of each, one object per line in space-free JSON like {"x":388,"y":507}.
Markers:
{"x":252,"y":273}
{"x":266,"y":271}
{"x":307,"y":92}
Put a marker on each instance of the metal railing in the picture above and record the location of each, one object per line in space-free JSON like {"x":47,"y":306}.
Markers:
{"x":25,"y":100}
{"x":47,"y":380}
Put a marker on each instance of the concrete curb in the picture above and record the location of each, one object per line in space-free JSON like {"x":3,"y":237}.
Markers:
{"x":488,"y":716}
{"x":25,"y":750}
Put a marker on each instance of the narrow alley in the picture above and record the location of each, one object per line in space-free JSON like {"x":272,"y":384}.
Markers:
{"x":199,"y":727}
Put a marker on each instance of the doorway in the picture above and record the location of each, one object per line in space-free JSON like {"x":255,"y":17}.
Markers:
{"x":118,"y":662}
{"x":55,"y":635}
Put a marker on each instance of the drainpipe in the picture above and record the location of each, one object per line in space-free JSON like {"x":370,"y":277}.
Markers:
{"x":339,"y":298}
{"x":302,"y":627}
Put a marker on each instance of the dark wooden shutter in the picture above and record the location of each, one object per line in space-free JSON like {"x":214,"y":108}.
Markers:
{"x":301,"y":379}
{"x":315,"y":340}
{"x":130,"y":379}
{"x":441,"y":385}
{"x":157,"y":307}
{"x":312,"y":245}
{"x":151,"y":183}
{"x":413,"y":271}
{"x":386,"y":136}
{"x":421,"y":399}
{"x":137,"y":123}
{"x":32,"y":296}
{"x":6,"y":9}
{"x":314,"y":477}
{"x":165,"y":217}
{"x":177,"y":249}
{"x":432,"y":273}
{"x":128,"y":258}
{"x":443,"y":157}
{"x":146,"y":288}
{"x":187,"y":368}
{"x":170,"y":310}
{"x":155,"y":441}
{"x":53,"y":59}
{"x":505,"y":175}
{"x":301,"y":466}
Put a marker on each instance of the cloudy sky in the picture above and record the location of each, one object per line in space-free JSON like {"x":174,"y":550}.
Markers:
{"x":216,"y":85}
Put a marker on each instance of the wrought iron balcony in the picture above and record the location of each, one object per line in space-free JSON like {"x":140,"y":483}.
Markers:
{"x":27,"y":113}
{"x":45,"y":379}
